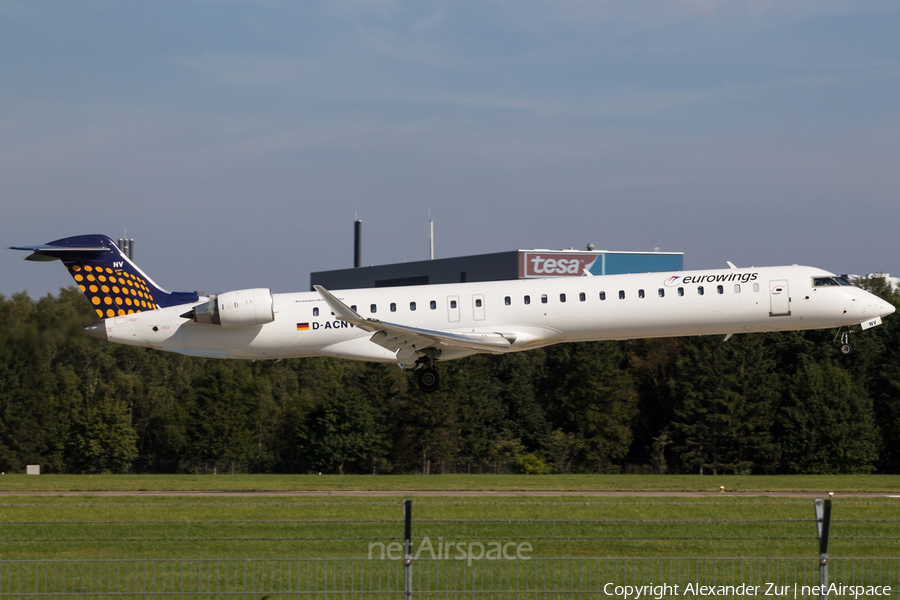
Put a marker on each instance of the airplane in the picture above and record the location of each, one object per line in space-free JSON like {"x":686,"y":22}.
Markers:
{"x":417,"y":326}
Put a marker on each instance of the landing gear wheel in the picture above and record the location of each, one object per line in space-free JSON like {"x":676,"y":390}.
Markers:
{"x":429,"y":380}
{"x":844,"y":335}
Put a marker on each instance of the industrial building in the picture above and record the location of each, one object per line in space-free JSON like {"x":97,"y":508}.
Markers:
{"x":499,"y":266}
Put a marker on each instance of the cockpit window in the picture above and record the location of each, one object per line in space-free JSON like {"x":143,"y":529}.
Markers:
{"x":826,"y":281}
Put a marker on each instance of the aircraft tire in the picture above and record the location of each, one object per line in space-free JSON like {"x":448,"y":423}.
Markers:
{"x":429,"y":380}
{"x":846,"y":349}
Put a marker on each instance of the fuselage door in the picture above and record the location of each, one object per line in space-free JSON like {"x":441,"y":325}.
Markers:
{"x":453,"y":309}
{"x":478,"y":307}
{"x":779,"y":298}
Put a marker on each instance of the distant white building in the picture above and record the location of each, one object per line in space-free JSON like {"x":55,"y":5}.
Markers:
{"x":894,"y":281}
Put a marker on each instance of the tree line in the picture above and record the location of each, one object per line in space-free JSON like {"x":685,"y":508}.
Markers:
{"x":761,"y":403}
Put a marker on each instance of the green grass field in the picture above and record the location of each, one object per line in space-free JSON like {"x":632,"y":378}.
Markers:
{"x":167,"y":527}
{"x":207,"y":526}
{"x":582,"y":483}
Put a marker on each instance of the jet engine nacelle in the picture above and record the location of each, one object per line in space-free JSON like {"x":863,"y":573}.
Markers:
{"x":242,"y":308}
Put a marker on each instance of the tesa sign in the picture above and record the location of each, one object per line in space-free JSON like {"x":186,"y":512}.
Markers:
{"x":554,"y":264}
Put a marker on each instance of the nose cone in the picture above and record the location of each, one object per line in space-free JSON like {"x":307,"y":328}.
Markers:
{"x":97,"y":330}
{"x":888,"y":309}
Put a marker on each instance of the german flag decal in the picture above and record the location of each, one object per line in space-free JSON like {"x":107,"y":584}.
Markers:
{"x":302,"y":326}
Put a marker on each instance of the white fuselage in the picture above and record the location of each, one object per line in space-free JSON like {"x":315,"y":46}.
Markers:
{"x":533,"y":312}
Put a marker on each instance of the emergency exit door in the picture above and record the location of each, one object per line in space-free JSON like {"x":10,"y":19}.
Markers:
{"x":478,"y":307}
{"x":453,"y":308}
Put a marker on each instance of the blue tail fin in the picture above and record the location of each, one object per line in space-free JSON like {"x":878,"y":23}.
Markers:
{"x":112,"y":283}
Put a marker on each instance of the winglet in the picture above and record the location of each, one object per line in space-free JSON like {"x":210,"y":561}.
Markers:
{"x":341,"y":310}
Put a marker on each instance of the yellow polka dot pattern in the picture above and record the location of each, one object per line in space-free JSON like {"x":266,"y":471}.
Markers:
{"x":112,"y":293}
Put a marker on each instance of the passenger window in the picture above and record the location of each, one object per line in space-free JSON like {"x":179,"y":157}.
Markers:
{"x":662,"y":292}
{"x":453,"y":304}
{"x":507,"y":301}
{"x":603,"y":295}
{"x":543,"y":298}
{"x":373,"y":309}
{"x":681,"y":291}
{"x":582,"y":297}
{"x":527,"y":299}
{"x":562,"y":297}
{"x":737,"y":288}
{"x":621,"y":294}
{"x":478,"y":303}
{"x":700,"y":290}
{"x":433,"y":304}
{"x":316,"y":312}
{"x":393,"y":307}
{"x":640,"y":293}
{"x":412,"y":306}
{"x":720,"y":289}
{"x":755,"y":287}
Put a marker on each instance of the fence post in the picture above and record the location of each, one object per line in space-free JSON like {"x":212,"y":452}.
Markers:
{"x":407,"y":547}
{"x":823,"y":520}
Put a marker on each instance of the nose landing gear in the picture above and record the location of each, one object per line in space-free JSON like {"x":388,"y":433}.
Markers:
{"x":844,"y":335}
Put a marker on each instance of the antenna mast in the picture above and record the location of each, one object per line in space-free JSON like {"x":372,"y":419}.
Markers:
{"x":431,"y":233}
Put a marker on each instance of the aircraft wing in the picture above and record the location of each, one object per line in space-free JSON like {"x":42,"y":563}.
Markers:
{"x":408,"y":341}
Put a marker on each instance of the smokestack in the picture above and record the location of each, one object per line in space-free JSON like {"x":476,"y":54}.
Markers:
{"x":126,"y":245}
{"x":357,"y":244}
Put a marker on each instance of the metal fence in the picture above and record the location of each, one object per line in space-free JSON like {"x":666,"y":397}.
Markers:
{"x":539,"y":578}
{"x":463,"y":549}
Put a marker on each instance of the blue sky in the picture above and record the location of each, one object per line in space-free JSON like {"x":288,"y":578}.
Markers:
{"x":237,"y":140}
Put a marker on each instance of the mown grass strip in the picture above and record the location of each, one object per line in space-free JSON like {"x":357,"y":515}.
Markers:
{"x":162,"y":527}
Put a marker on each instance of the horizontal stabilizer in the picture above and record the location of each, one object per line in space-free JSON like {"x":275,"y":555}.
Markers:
{"x":47,"y":252}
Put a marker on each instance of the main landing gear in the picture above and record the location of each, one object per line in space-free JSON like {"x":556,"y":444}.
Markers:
{"x":844,"y":335}
{"x":429,"y":380}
